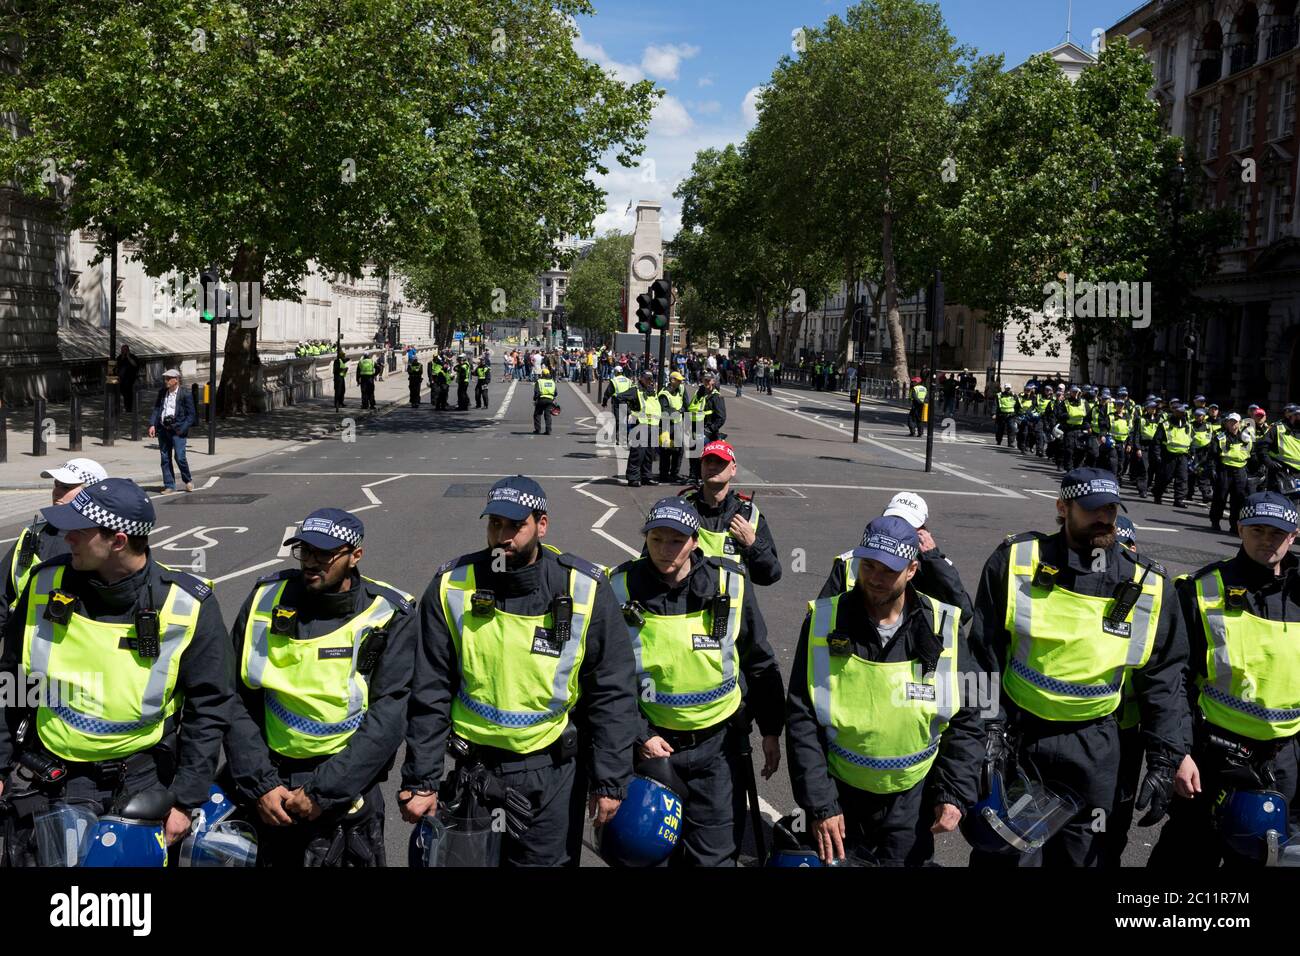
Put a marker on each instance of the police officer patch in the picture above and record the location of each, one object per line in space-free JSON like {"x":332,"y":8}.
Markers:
{"x":703,"y":642}
{"x":544,"y":643}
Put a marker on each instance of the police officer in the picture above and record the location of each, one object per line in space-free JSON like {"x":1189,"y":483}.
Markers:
{"x":1279,"y":448}
{"x":462,"y":384}
{"x":1242,"y":615}
{"x":482,"y":376}
{"x":874,"y":777}
{"x":1127,"y":718}
{"x":137,"y":658}
{"x":1005,"y":415}
{"x":1026,"y":402}
{"x":1174,"y":438}
{"x":544,"y":391}
{"x":39,"y":541}
{"x":615,"y":391}
{"x":1072,"y":416}
{"x":672,"y":435}
{"x":1098,"y":452}
{"x":521,"y":647}
{"x":936,"y":575}
{"x":340,"y":367}
{"x":715,"y":409}
{"x":706,"y":670}
{"x":366,"y":379}
{"x":1066,"y":619}
{"x":1230,"y":452}
{"x":324,"y":658}
{"x":1200,"y":457}
{"x":1143,"y":448}
{"x":1122,"y":414}
{"x":413,"y":369}
{"x":643,"y":412}
{"x":917,"y":394}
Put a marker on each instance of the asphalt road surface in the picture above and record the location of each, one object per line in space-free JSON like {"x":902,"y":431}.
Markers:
{"x":418,"y":479}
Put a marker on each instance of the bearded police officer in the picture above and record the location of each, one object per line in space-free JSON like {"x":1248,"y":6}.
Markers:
{"x":140,"y":661}
{"x":936,"y":575}
{"x":1243,"y":681}
{"x":324,"y":658}
{"x":522,"y":647}
{"x":1066,"y":620}
{"x":705,"y":670}
{"x":883,"y":752}
{"x":39,"y":541}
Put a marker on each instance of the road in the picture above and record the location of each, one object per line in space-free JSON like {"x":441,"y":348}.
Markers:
{"x":418,"y":480}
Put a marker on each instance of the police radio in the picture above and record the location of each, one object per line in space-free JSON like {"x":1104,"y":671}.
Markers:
{"x":147,"y":633}
{"x":1126,"y":597}
{"x":633,"y":614}
{"x":721,"y":611}
{"x":27,"y":553}
{"x":1235,"y":598}
{"x":562,"y":613}
{"x":1045,"y":576}
{"x":371,"y":648}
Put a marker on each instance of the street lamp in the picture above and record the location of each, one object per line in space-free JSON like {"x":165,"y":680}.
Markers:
{"x":1180,"y":178}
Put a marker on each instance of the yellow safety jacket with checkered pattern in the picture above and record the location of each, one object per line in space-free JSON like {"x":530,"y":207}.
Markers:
{"x":883,"y":720}
{"x":697,"y":408}
{"x":687,"y":677}
{"x":517,"y":681}
{"x":720,"y":544}
{"x":110,"y":701}
{"x":1234,"y":450}
{"x":314,"y":697}
{"x":1066,"y":660}
{"x":1285,"y":448}
{"x":1252,"y":682}
{"x":1178,"y":438}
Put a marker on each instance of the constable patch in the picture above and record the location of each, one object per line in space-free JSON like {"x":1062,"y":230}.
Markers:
{"x":333,"y":653}
{"x":544,"y":643}
{"x":920,"y":691}
{"x":1121,"y":629}
{"x":703,"y":642}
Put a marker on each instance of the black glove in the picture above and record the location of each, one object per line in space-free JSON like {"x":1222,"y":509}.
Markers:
{"x":1157,"y":789}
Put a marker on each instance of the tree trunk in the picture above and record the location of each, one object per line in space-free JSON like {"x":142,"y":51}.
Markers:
{"x":1080,"y":349}
{"x":846,"y":322}
{"x":240,"y":359}
{"x":763,"y":334}
{"x":897,"y":343}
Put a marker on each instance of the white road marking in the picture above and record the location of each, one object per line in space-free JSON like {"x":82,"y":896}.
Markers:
{"x":385,"y":481}
{"x":211,"y":481}
{"x":255,"y":567}
{"x":505,"y":402}
{"x":769,"y":813}
{"x":412,"y":474}
{"x":607,"y":515}
{"x":289,"y":532}
{"x":619,"y":452}
{"x":159,"y":544}
{"x":371,"y":495}
{"x":613,"y":540}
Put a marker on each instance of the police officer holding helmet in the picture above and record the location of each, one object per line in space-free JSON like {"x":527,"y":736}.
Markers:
{"x":324,"y":659}
{"x":521,"y":648}
{"x":884,"y":752}
{"x":705,"y":671}
{"x":1066,"y":620}
{"x":140,"y":660}
{"x":1242,"y":681}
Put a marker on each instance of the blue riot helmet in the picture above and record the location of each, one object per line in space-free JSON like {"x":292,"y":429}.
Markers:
{"x":788,"y":850}
{"x":1016,"y":813}
{"x":645,"y":829}
{"x":132,"y":835}
{"x":61,"y":833}
{"x":217,"y":840}
{"x":1253,"y":824}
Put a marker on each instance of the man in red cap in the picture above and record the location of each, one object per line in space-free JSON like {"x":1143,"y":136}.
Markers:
{"x":730,"y":524}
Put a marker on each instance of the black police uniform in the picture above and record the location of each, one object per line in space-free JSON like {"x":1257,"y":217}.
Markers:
{"x":1172,"y":466}
{"x":937,"y":576}
{"x":185,"y":761}
{"x":762,"y":563}
{"x":555,"y":783}
{"x":462,"y":386}
{"x":340,"y":380}
{"x":1231,"y":485}
{"x":44,"y":542}
{"x":334,"y":782}
{"x":642,"y":440}
{"x":367,"y":384}
{"x":1083,"y":756}
{"x":894,"y":828}
{"x":413,"y":369}
{"x":716,"y":406}
{"x":1189,"y":840}
{"x":713,"y":763}
{"x":482,"y":376}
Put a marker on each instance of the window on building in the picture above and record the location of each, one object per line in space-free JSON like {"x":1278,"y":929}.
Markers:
{"x":1245,"y":120}
{"x":1210,"y":128}
{"x":1167,"y":63}
{"x":1241,"y":202}
{"x":1285,"y":106}
{"x":1276,"y":204}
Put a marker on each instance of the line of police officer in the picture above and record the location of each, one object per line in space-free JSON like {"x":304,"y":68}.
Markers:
{"x":443,"y":369}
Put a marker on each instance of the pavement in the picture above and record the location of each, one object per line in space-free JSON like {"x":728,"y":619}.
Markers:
{"x":417,"y":478}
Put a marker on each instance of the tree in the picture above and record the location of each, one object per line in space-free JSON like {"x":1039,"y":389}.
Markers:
{"x":267,"y":136}
{"x":596,"y":284}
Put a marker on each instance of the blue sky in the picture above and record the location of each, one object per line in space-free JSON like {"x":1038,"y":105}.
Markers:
{"x":710,"y":56}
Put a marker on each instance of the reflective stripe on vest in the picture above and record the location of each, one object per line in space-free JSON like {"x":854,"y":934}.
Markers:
{"x":1006,"y":404}
{"x":546,"y":388}
{"x":1253,"y":682}
{"x":1121,"y":423}
{"x":1232,"y":452}
{"x":674,"y":399}
{"x":696,"y":408}
{"x":312,"y":705}
{"x":685,"y":683}
{"x":85,"y":660}
{"x":720,"y":544}
{"x":621,"y":384}
{"x":1148,"y":427}
{"x":882,"y":736}
{"x":512,"y":697}
{"x":650,"y":412}
{"x":1286,"y":447}
{"x":1075,"y":412}
{"x":1177,"y":439}
{"x":919,"y":394}
{"x":1064,"y":662}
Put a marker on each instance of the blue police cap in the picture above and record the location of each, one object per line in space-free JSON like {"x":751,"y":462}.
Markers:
{"x":117,"y":504}
{"x":1091,"y":488}
{"x":515,"y":498}
{"x":675,"y":513}
{"x":890,"y":540}
{"x":1270,"y":508}
{"x":328,"y":528}
{"x":1125,"y":531}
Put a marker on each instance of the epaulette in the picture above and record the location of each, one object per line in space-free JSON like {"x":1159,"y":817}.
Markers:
{"x":1023,"y":536}
{"x":456,"y":562}
{"x":581,"y":565}
{"x":404,"y":602}
{"x":728,"y":565}
{"x":845,"y":556}
{"x":190,"y":584}
{"x":1140,"y":561}
{"x":282,"y":575}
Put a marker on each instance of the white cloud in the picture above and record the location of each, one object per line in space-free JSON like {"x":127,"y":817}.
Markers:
{"x":625,"y":72}
{"x":662,"y":62}
{"x":670,"y":117}
{"x":706,"y":81}
{"x":707,"y":107}
{"x":749,"y":106}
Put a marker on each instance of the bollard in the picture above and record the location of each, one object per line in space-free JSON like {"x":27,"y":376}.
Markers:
{"x":74,"y":423}
{"x":38,"y":431}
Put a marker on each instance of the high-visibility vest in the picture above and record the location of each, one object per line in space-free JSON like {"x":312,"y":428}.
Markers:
{"x":852,"y":567}
{"x":1178,"y":438}
{"x":919,"y":394}
{"x":481,"y":372}
{"x":650,"y":412}
{"x":1095,"y":416}
{"x":517,"y":684}
{"x":1201,"y":437}
{"x":697,"y":408}
{"x":1234,"y":451}
{"x":720,"y":544}
{"x":1286,"y":447}
{"x":1252,"y":682}
{"x":340,"y":368}
{"x":621,"y":384}
{"x":414,"y":367}
{"x":546,"y":388}
{"x":1075,"y":412}
{"x":111,"y":702}
{"x":883,"y":721}
{"x":1121,"y":422}
{"x":1065,"y":660}
{"x":366,"y":367}
{"x":674,"y":399}
{"x":686,"y":679}
{"x":1147,"y":427}
{"x":1006,"y":404}
{"x":313,"y":695}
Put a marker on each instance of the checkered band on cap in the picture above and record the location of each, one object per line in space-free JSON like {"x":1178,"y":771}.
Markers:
{"x":516,"y":497}
{"x":83,"y":476}
{"x":1269,"y":509}
{"x":1095,"y":486}
{"x":327,"y":527}
{"x":84,"y":505}
{"x":890,"y":545}
{"x":672,"y":513}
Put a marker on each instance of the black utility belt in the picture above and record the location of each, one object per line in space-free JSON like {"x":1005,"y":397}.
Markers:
{"x":686,"y":739}
{"x":1025,"y":724}
{"x":507,"y":761}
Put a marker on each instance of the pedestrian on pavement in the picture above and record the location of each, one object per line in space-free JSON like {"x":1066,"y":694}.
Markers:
{"x":700,"y":642}
{"x":309,"y":741}
{"x":173,"y":415}
{"x":128,"y":372}
{"x":544,"y":394}
{"x":520,"y":646}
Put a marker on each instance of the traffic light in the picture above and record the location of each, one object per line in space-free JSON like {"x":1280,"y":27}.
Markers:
{"x":661,"y":302}
{"x":1190,"y":343}
{"x":644,"y":312}
{"x":208,"y":281}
